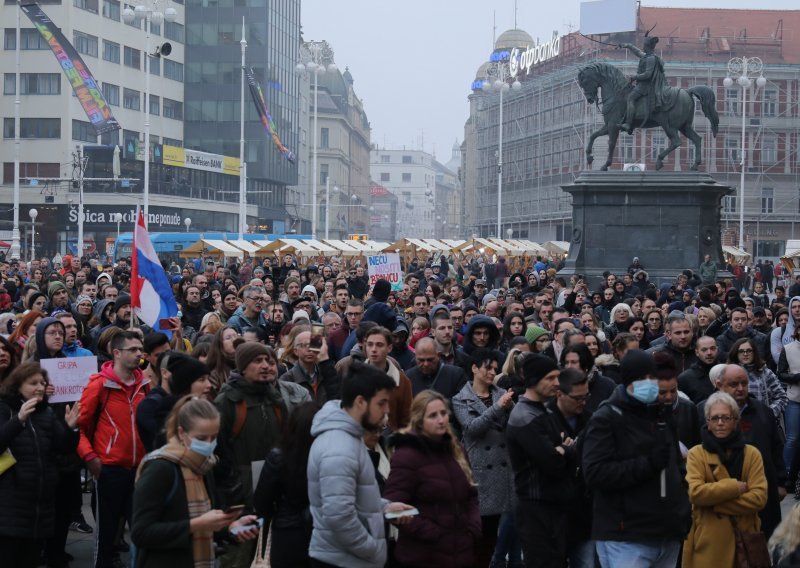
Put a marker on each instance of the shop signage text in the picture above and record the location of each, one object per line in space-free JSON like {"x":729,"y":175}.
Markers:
{"x":524,"y":60}
{"x":103,"y":217}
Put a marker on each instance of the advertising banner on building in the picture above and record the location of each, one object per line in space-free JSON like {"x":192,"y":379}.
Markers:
{"x":86,"y":88}
{"x":386,"y":266}
{"x":196,"y":160}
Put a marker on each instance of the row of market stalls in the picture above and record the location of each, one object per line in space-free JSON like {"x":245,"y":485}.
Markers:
{"x":407,"y":248}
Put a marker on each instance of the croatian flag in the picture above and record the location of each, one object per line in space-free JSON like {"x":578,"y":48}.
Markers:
{"x":151,"y":294}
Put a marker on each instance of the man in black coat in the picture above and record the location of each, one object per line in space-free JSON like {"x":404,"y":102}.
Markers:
{"x":431,"y":373}
{"x":694,"y":382}
{"x":738,"y":329}
{"x":633,"y":466}
{"x":760,"y":429}
{"x":679,"y":339}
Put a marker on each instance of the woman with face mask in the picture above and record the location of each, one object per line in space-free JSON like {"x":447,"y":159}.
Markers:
{"x":174,"y":515}
{"x":34,"y":436}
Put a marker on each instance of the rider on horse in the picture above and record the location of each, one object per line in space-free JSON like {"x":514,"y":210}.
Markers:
{"x":650,"y":82}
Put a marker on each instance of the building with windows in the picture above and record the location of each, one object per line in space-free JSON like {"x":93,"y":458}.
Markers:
{"x":547,"y":122}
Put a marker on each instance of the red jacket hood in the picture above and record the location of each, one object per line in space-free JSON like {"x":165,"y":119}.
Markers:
{"x":107,"y":372}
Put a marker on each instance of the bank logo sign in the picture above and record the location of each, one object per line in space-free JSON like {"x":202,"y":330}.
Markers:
{"x":196,"y":160}
{"x":524,"y":59}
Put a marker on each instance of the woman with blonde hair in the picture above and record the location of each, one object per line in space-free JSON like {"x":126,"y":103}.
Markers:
{"x":430,"y":471}
{"x":784,"y":544}
{"x":727,"y":487}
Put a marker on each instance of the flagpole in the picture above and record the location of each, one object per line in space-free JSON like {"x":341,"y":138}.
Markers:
{"x":242,"y":176}
{"x":15,"y":248}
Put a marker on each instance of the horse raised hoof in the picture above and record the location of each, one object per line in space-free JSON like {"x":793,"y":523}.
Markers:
{"x":604,"y":168}
{"x":659,"y":164}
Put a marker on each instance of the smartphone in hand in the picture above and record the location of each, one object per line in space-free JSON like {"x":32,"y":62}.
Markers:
{"x":317,"y":336}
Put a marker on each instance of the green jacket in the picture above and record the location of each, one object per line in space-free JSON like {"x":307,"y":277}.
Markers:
{"x":708,"y":272}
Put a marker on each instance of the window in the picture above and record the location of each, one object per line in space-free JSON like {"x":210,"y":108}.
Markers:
{"x":88,"y":5}
{"x":111,"y":93}
{"x":33,"y":128}
{"x":173,"y":109}
{"x":406,"y":178}
{"x":33,"y":84}
{"x":172,"y":141}
{"x":770,"y":102}
{"x":767,"y":199}
{"x":407,"y":160}
{"x":110,"y":51}
{"x":85,"y":43}
{"x":174,"y":31}
{"x":130,"y":99}
{"x":155,"y":105}
{"x":133,"y":57}
{"x":173,"y":70}
{"x":324,"y":138}
{"x":130,"y":141}
{"x":730,"y":204}
{"x":110,"y":138}
{"x":111,"y":9}
{"x":386,"y":159}
{"x":31,"y":39}
{"x":769,"y":150}
{"x":732,"y":101}
{"x":732,"y":149}
{"x":323,"y":174}
{"x":385,"y":176}
{"x":154,"y":65}
{"x":83,"y":131}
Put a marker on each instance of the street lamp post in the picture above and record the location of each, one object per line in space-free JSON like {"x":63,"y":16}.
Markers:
{"x":501,"y":74}
{"x":188,"y":222}
{"x":33,"y":214}
{"x":151,"y":15}
{"x":316,"y":67}
{"x":740,"y":69}
{"x":118,"y":220}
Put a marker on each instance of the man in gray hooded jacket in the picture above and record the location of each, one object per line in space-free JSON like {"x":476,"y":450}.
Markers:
{"x":346,"y":504}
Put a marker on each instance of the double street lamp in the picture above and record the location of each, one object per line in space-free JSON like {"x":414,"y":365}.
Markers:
{"x":318,"y":51}
{"x":151,"y":15}
{"x":33,"y":213}
{"x":498,"y":77}
{"x":742,"y":70}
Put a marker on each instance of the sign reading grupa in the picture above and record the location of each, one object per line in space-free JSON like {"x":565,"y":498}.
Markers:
{"x":386,"y":266}
{"x":69,"y":376}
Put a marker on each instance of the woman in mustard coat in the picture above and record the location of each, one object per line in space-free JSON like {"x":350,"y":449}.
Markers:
{"x":726,"y":481}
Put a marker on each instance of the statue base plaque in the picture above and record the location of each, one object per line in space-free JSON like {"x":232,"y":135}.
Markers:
{"x":670,"y":220}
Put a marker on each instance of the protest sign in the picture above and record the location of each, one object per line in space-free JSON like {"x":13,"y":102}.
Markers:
{"x":386,"y":266}
{"x":69,"y":376}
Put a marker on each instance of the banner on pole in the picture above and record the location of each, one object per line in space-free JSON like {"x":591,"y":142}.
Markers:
{"x":266,"y":117}
{"x":386,"y":266}
{"x":83,"y":83}
{"x":69,"y":376}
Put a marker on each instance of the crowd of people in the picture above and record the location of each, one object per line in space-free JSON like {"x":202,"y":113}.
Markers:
{"x":473,"y":416}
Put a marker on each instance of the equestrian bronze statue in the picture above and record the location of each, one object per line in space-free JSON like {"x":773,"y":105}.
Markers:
{"x":644,"y":101}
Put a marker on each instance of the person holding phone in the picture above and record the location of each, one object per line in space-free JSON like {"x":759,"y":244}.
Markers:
{"x":175,"y":521}
{"x":314,"y":369}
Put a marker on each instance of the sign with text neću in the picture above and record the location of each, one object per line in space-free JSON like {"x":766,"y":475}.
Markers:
{"x":69,"y":376}
{"x":83,"y":83}
{"x":386,"y":266}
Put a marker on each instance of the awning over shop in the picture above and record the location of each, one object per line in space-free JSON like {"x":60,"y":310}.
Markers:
{"x":556,"y":247}
{"x":739,"y":255}
{"x":211,"y":247}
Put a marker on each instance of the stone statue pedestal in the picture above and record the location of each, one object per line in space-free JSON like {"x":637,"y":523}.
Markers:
{"x":670,"y":220}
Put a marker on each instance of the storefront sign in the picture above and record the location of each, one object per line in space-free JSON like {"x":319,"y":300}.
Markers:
{"x":69,"y":376}
{"x":196,"y":160}
{"x":520,"y":60}
{"x":386,"y":266}
{"x":160,"y":217}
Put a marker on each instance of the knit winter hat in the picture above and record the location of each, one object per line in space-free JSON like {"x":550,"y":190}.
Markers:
{"x":635,"y":365}
{"x":185,"y":370}
{"x":247,"y":352}
{"x":290,"y":280}
{"x":535,"y":367}
{"x":381,"y":290}
{"x":55,"y":287}
{"x":35,"y":296}
{"x":122,"y":300}
{"x":534,"y":332}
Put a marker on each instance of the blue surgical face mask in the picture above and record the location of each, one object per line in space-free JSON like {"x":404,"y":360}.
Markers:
{"x":645,"y":391}
{"x":205,"y":449}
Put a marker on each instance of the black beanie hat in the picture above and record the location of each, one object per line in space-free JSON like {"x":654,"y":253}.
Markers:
{"x":635,"y":365}
{"x":247,"y":352}
{"x":381,"y":290}
{"x":185,"y":370}
{"x":122,"y":300}
{"x":535,"y":367}
{"x":735,"y":302}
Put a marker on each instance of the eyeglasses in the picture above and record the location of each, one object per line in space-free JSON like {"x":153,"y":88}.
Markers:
{"x":302,"y":345}
{"x":720,"y":418}
{"x":353,"y":314}
{"x":745,"y":351}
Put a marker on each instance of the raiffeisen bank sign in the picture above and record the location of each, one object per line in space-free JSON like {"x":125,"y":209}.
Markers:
{"x":523,"y":60}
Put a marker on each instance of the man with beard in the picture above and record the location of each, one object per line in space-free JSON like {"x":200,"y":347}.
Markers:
{"x":343,"y":492}
{"x":444,"y":342}
{"x":58,"y":296}
{"x":679,"y":335}
{"x":694,"y":382}
{"x":250,"y":313}
{"x":340,"y":297}
{"x":201,"y":281}
{"x":357,"y":283}
{"x":192,"y":308}
{"x":291,"y":287}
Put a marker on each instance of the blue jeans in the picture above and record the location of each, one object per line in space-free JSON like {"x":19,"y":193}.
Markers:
{"x":507,"y":540}
{"x":656,"y":554}
{"x":791,"y":419}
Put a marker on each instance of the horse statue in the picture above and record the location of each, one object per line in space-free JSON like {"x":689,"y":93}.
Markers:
{"x":674,"y":118}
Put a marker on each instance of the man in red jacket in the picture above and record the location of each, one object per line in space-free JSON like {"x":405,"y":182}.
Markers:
{"x":109,"y":443}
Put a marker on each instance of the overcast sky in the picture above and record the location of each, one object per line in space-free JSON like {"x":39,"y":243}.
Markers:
{"x":413,"y":60}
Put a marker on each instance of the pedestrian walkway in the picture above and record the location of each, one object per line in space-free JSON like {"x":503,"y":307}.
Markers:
{"x":81,"y":546}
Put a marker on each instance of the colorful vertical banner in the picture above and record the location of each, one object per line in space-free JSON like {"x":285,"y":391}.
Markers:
{"x":266,"y":118}
{"x":86,"y":88}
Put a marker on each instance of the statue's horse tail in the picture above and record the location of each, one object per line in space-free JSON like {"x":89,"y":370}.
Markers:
{"x":708,"y":103}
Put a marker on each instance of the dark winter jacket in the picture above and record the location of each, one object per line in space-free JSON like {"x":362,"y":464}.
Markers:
{"x":151,"y":416}
{"x":426,"y":475}
{"x":600,"y":388}
{"x":540,"y":472}
{"x":726,"y":340}
{"x":618,"y":469}
{"x":447,"y":380}
{"x":326,"y":385}
{"x":28,"y":488}
{"x":694,"y":382}
{"x":683,"y":359}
